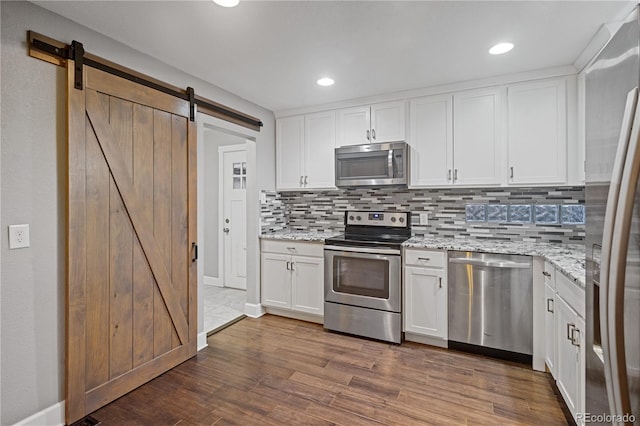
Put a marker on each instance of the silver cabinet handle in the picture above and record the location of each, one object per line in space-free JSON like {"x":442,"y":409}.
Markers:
{"x":292,"y":263}
{"x":570,"y":329}
{"x":305,"y":180}
{"x":291,"y":248}
{"x":288,"y":266}
{"x":373,"y":133}
{"x":511,"y":168}
{"x":550,"y":307}
{"x":439,"y":282}
{"x":426,"y":259}
{"x":575,"y":337}
{"x":546,"y":274}
{"x":225,"y":230}
{"x":449,"y":175}
{"x":455,"y":175}
{"x":300,"y":180}
{"x":368,"y":135}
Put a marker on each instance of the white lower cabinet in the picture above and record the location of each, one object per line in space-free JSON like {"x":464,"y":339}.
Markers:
{"x":564,"y":337}
{"x":425,"y":294}
{"x":292,"y":276}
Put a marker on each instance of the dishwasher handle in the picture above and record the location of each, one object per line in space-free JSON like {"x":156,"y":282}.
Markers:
{"x":491,"y":263}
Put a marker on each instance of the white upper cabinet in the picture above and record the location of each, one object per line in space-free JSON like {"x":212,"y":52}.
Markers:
{"x":383,"y":122}
{"x":431,"y":140}
{"x":289,"y":146}
{"x":537,"y":132}
{"x":319,"y":150}
{"x":477,"y":147}
{"x":387,"y":122}
{"x":354,"y":126}
{"x":305,"y":151}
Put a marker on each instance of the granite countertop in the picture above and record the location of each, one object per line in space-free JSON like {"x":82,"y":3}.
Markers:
{"x":568,"y":258}
{"x":294,"y":235}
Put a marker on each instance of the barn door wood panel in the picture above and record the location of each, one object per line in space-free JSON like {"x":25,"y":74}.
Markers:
{"x":131,"y":291}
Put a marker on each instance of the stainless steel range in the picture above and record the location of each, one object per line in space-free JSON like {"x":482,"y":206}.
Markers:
{"x":363,"y":275}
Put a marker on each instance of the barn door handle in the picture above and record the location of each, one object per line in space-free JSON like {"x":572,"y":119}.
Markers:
{"x":194,"y":247}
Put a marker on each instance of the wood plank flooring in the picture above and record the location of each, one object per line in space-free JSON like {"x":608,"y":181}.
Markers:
{"x":279,"y":371}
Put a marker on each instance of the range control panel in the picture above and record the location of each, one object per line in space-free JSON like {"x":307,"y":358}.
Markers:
{"x":394,"y":219}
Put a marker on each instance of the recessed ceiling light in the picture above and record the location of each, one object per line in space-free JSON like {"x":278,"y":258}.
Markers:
{"x":325,"y":81}
{"x":501,"y":48}
{"x":227,"y":3}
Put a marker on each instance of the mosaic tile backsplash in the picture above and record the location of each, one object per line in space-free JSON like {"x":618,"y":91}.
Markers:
{"x":505,"y":214}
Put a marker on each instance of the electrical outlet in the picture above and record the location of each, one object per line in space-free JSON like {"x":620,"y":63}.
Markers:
{"x":18,"y":236}
{"x":424,"y":218}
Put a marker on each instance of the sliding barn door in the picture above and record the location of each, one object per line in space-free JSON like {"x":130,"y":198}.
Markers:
{"x":131,"y":296}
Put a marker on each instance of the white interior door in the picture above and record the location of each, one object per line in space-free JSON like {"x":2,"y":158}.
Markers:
{"x":233,"y":161}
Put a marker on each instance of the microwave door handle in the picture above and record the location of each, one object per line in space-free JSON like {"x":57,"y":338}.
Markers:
{"x":607,"y":240}
{"x":390,"y":163}
{"x":617,"y":271}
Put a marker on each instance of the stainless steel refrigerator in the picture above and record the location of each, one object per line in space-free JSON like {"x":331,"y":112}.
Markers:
{"x":612,"y":127}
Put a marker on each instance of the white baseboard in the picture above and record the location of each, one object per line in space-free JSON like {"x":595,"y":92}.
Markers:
{"x":202,"y":340}
{"x":302,"y":316}
{"x":426,"y":340}
{"x":216,"y":282}
{"x":53,"y":416}
{"x":254,"y":310}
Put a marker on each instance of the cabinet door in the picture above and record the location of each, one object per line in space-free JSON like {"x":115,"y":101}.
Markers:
{"x":319,"y":150}
{"x":549,"y":329}
{"x":307,"y":285}
{"x":276,"y":280}
{"x":425,"y":303}
{"x":537,"y":132}
{"x":477,"y":137}
{"x":353,"y":126}
{"x":289,"y":152}
{"x":568,"y":362}
{"x":388,"y":122}
{"x":431,"y":140}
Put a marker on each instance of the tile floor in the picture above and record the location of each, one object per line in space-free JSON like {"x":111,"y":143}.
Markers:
{"x":222,"y":305}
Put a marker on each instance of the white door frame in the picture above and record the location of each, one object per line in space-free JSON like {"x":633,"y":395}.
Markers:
{"x":221,"y":251}
{"x":253,"y":218}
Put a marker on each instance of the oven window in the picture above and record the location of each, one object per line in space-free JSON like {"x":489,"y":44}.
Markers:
{"x":362,"y":277}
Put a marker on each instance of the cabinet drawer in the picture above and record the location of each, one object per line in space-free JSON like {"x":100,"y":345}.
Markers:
{"x":549,"y":273}
{"x":430,"y":258}
{"x":571,"y":293}
{"x":293,"y":248}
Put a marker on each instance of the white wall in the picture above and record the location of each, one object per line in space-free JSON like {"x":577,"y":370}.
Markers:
{"x":32,"y":179}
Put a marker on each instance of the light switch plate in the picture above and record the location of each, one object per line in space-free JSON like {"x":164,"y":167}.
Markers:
{"x":18,"y":236}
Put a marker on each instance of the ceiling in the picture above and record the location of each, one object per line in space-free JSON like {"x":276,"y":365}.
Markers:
{"x":272,"y":52}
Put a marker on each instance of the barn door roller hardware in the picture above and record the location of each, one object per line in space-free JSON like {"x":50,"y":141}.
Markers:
{"x":58,"y":53}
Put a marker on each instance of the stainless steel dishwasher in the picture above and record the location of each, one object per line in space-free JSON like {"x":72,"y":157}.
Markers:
{"x":490,"y":302}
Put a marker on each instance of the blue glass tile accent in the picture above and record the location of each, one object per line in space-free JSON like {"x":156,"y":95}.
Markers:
{"x":497,"y":212}
{"x":572,"y":214}
{"x":475,"y":213}
{"x":546,"y":213}
{"x":520,"y":213}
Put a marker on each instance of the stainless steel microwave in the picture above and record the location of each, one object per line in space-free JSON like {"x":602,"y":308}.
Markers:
{"x":375,"y":164}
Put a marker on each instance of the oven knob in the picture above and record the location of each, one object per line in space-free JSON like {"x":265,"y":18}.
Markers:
{"x":393,"y":219}
{"x":351,"y":217}
{"x":358,"y":218}
{"x":401,"y":219}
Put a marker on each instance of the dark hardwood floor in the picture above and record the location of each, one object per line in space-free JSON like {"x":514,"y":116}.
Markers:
{"x":278,"y":371}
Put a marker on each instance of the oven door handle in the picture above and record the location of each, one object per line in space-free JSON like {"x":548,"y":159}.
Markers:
{"x":363,"y":250}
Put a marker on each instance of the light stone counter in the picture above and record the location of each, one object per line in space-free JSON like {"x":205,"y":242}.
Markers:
{"x":293,"y":235}
{"x":567,"y":258}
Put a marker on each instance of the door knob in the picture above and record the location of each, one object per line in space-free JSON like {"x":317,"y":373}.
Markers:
{"x":225,"y":230}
